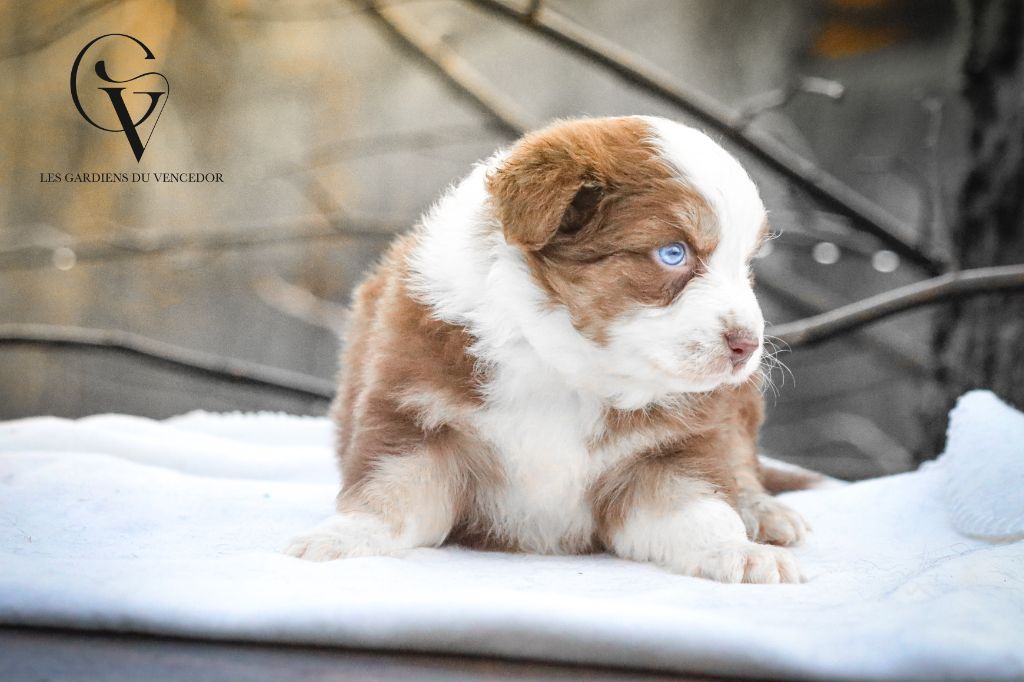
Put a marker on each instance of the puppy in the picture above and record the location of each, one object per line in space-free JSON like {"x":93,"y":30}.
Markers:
{"x":563,"y":357}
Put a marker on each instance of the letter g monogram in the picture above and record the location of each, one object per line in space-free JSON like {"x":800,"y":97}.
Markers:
{"x":129,"y":127}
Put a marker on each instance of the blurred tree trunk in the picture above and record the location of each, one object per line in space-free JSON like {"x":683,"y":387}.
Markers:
{"x":979,"y":343}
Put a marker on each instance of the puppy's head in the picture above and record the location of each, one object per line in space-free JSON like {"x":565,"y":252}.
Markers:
{"x":642,"y":230}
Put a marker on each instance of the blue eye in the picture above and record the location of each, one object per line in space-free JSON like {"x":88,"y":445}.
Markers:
{"x":672,"y":254}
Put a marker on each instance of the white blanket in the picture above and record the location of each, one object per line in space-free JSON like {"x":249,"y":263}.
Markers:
{"x":118,"y":522}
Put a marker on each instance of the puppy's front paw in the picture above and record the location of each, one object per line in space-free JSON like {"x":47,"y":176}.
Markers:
{"x":768,"y":520}
{"x":741,"y":562}
{"x":343,"y":536}
{"x":321,"y":546}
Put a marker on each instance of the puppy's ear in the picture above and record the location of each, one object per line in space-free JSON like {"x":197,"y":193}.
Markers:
{"x":541,"y":189}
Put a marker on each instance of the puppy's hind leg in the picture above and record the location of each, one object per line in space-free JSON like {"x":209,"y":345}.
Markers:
{"x":406,"y":501}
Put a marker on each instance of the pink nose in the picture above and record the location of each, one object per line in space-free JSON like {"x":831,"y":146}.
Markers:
{"x":742,"y":344}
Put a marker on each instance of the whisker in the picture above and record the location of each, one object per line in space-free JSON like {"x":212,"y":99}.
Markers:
{"x":770,"y":360}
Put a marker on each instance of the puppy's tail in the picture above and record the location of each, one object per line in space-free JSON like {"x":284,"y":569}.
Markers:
{"x":783,"y":477}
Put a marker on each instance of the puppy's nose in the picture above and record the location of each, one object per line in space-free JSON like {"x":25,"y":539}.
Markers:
{"x":742,"y":343}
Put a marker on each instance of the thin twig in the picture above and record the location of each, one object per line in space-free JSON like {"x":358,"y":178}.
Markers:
{"x":797,"y":237}
{"x":780,"y":97}
{"x":458,"y":73}
{"x":943,"y":288}
{"x":824,"y":187}
{"x":301,"y":303}
{"x":936,"y":228}
{"x":191,"y":361}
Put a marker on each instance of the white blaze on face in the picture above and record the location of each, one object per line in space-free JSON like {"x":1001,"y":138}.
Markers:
{"x":684,"y":341}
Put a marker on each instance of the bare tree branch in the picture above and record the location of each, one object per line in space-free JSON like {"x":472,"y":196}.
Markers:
{"x":136,"y":244}
{"x":190,"y":361}
{"x":936,"y":228}
{"x":799,"y":333}
{"x":797,"y":237}
{"x":301,"y":303}
{"x":65,"y":25}
{"x":458,"y":73}
{"x":809,"y":298}
{"x":485,"y":95}
{"x":780,"y":97}
{"x":822,"y":186}
{"x":855,"y":315}
{"x":413,"y":141}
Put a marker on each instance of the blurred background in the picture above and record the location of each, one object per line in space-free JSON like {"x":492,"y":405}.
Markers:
{"x":333,"y":133}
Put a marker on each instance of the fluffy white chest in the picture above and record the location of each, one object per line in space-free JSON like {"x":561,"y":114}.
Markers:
{"x":540,"y":430}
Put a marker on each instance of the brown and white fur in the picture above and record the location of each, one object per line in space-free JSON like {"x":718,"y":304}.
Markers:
{"x":521,"y":372}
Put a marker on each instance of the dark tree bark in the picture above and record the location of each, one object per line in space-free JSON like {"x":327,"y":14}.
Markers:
{"x":979,"y":343}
